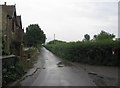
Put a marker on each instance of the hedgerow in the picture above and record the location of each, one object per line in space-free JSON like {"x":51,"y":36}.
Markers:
{"x":91,"y":52}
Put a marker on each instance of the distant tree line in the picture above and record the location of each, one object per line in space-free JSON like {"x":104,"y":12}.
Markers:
{"x":100,"y":37}
{"x":34,"y":36}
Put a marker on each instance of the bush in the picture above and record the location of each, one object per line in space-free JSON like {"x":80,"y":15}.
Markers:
{"x":93,"y":52}
{"x":11,"y":74}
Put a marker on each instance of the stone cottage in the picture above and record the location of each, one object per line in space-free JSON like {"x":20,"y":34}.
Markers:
{"x":12,"y":32}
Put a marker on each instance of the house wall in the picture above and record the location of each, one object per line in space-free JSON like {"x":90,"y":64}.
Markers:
{"x":13,"y":39}
{"x":5,"y":31}
{"x":119,"y":19}
{"x":0,"y":46}
{"x":0,"y":18}
{"x":6,"y":27}
{"x":0,"y":30}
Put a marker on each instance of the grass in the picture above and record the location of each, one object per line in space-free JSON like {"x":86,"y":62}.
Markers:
{"x":29,"y":58}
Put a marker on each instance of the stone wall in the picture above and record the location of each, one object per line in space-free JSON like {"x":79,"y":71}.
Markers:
{"x":12,"y":31}
{"x":0,"y":30}
{"x":0,"y":46}
{"x":9,"y":61}
{"x":5,"y":31}
{"x":119,"y":19}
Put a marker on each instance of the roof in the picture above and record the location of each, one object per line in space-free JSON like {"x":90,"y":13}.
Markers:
{"x":19,"y":21}
{"x":10,"y":10}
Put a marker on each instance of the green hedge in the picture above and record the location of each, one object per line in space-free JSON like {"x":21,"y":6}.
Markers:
{"x":99,"y":52}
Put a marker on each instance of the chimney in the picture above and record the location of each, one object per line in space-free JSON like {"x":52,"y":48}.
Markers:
{"x":4,"y":3}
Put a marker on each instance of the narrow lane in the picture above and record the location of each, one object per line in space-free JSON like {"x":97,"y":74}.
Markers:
{"x":52,"y":75}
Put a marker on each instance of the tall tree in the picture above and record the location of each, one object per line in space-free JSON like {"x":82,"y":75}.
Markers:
{"x":34,"y":36}
{"x":104,"y":36}
{"x":86,"y":37}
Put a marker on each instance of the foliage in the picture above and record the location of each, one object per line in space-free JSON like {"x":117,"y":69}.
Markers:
{"x":93,"y":52}
{"x":30,"y":57}
{"x":34,"y":36}
{"x":56,"y":41}
{"x":86,"y":37}
{"x":31,"y":50}
{"x":104,"y":36}
{"x":12,"y":73}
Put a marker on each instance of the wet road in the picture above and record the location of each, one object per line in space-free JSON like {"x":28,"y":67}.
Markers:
{"x":49,"y":74}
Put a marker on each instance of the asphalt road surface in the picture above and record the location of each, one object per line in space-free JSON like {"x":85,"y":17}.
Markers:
{"x":48,"y":73}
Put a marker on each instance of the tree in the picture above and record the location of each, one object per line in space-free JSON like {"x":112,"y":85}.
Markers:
{"x":104,"y":36}
{"x":34,"y":36}
{"x":86,"y":37}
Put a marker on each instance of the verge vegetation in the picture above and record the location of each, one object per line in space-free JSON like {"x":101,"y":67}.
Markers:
{"x":33,"y":40}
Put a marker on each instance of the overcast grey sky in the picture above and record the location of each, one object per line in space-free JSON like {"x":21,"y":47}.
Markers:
{"x":69,"y":20}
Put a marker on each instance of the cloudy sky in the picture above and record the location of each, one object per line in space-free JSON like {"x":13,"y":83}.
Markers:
{"x":69,"y":20}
